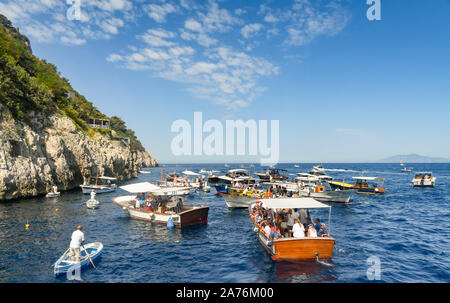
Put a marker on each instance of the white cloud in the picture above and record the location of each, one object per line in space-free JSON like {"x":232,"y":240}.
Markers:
{"x":270,"y":18}
{"x":251,"y":29}
{"x":240,"y":11}
{"x":46,"y":20}
{"x":159,"y":12}
{"x":309,"y":22}
{"x":193,"y":25}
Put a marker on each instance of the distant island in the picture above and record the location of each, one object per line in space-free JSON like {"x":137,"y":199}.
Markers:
{"x":414,"y":158}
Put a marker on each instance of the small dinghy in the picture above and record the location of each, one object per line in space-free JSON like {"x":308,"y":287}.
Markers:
{"x":53,"y":195}
{"x":65,"y":263}
{"x":144,"y":172}
{"x":92,"y":203}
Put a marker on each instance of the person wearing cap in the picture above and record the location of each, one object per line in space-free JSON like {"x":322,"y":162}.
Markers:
{"x":75,"y":243}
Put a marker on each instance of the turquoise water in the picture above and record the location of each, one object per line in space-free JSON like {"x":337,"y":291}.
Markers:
{"x":407,"y":229}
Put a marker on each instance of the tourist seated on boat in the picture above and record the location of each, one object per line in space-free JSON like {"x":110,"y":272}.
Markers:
{"x":317,"y":226}
{"x":312,"y":233}
{"x":274,"y":234}
{"x":298,"y":230}
{"x":322,"y":232}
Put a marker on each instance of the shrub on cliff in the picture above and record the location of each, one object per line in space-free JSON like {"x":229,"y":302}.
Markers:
{"x":30,"y":84}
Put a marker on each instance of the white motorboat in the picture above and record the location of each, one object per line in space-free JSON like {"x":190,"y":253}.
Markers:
{"x":100,"y":185}
{"x":424,"y":179}
{"x":53,"y":195}
{"x":145,"y":172}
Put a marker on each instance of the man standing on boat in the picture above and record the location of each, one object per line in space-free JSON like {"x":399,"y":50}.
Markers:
{"x":77,"y":241}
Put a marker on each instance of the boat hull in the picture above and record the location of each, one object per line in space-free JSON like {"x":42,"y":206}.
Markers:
{"x":63,"y":265}
{"x":53,"y":195}
{"x":92,"y":204}
{"x":423,"y":183}
{"x":336,"y":196}
{"x":191,"y":215}
{"x":292,"y":249}
{"x":87,"y":189}
{"x":233,"y":201}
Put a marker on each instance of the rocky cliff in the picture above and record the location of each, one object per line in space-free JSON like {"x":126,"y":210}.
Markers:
{"x":45,"y":137}
{"x":52,"y":151}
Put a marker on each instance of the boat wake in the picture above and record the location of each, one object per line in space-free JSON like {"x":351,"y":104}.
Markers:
{"x":323,"y":262}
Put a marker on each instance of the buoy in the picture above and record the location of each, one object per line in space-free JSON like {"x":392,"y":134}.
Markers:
{"x":170,"y":224}
{"x":56,"y":209}
{"x":27,"y":226}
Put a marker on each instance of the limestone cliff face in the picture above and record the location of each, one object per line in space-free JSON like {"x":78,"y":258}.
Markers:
{"x":52,"y":151}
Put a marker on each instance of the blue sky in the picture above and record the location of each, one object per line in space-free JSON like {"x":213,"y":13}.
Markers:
{"x":345,"y":89}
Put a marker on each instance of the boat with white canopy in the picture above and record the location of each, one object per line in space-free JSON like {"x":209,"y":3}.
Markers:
{"x":292,"y":248}
{"x":152,"y":203}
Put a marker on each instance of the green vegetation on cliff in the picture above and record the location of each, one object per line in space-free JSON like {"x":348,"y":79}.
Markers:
{"x":28,"y":84}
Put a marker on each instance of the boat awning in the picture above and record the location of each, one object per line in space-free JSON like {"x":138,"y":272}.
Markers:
{"x":190,"y":173}
{"x":225,"y":178}
{"x":368,"y":178}
{"x":293,"y":203}
{"x":238,"y":170}
{"x":142,"y":187}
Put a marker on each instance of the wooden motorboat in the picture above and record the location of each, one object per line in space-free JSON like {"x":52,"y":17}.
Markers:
{"x":290,"y":248}
{"x":424,"y":179}
{"x":361,"y":186}
{"x":65,"y":263}
{"x":158,"y":205}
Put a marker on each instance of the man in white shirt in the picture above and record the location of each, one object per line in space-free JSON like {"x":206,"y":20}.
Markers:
{"x":298,"y":229}
{"x":77,"y":241}
{"x":55,"y":189}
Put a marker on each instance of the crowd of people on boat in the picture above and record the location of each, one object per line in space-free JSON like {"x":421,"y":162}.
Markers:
{"x":154,"y":205}
{"x":287,"y":223}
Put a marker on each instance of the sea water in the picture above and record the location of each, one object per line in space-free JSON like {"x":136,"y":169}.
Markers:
{"x":405,"y":231}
